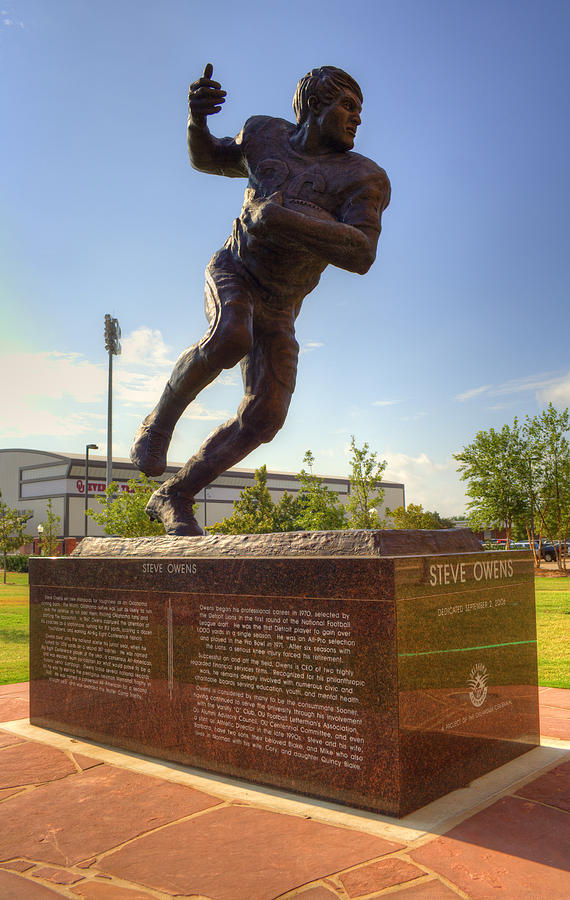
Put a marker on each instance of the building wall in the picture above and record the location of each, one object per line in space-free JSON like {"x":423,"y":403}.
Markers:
{"x":19,"y":494}
{"x":29,"y":478}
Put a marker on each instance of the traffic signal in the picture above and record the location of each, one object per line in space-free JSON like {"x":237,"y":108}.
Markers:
{"x":112,"y":335}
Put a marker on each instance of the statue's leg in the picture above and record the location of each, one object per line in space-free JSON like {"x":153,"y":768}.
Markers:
{"x":229,"y":338}
{"x":269,"y":379}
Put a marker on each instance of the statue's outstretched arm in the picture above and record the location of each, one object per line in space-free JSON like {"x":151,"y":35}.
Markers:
{"x":208,"y":153}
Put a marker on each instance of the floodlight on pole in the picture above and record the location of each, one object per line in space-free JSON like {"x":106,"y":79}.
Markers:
{"x":88,"y":447}
{"x":113,"y":348}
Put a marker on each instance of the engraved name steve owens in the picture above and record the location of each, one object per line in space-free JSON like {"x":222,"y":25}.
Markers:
{"x":458,"y":573}
{"x":170,"y":568}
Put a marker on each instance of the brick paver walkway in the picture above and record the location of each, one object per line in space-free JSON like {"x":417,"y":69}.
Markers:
{"x":74,"y":826}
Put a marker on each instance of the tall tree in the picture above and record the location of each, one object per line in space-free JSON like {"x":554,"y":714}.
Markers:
{"x":12,"y":524}
{"x":318,"y":506}
{"x":549,"y":454}
{"x":50,"y":533}
{"x":365,"y":491}
{"x":123,"y":513}
{"x":414,"y":516}
{"x":256,"y":513}
{"x":489,"y":465}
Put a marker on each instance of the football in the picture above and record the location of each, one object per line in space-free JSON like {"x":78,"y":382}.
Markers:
{"x":308,"y":209}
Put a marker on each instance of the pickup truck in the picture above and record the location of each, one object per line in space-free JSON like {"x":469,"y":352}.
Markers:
{"x":547,"y":550}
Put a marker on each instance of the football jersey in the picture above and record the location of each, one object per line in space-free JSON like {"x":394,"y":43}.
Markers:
{"x":348,"y":186}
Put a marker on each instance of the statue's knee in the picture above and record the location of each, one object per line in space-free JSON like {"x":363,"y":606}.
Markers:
{"x":238,"y":346}
{"x":264,"y":417}
{"x":228,"y":348}
{"x":270,"y":429}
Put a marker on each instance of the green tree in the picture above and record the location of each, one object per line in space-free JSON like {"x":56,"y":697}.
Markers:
{"x":256,"y":513}
{"x":492,"y":466}
{"x":548,"y":453}
{"x":414,"y":516}
{"x":318,"y":506}
{"x":365,"y":491}
{"x":50,"y":533}
{"x":12,"y":523}
{"x":287,"y":513}
{"x":123,"y":513}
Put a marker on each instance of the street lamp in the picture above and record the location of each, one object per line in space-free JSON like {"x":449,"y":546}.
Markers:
{"x":40,"y":532}
{"x":113,"y":348}
{"x":88,"y":447}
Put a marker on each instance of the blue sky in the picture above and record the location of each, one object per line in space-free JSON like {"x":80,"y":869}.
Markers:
{"x":461,"y":324}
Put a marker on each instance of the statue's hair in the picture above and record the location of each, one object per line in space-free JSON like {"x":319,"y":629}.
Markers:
{"x":326,"y":83}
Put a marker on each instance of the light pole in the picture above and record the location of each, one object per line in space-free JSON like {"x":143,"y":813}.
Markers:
{"x":88,"y":447}
{"x":40,"y":532}
{"x":113,"y":348}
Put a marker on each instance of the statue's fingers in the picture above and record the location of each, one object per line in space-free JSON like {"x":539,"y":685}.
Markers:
{"x":203,"y":109}
{"x":205,"y":102}
{"x":206,"y":94}
{"x":208,"y":69}
{"x":203,"y":82}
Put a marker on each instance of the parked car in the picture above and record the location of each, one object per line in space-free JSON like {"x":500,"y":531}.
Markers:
{"x":549,"y":551}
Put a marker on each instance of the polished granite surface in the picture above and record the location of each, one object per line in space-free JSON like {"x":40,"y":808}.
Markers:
{"x":378,"y":682}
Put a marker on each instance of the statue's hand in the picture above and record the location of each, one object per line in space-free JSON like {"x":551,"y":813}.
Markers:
{"x":205,"y":97}
{"x":259,"y":215}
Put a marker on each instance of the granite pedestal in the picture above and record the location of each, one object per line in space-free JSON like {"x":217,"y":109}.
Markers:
{"x":332,"y":665}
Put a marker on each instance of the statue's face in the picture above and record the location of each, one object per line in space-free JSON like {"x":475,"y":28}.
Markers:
{"x":339,"y":120}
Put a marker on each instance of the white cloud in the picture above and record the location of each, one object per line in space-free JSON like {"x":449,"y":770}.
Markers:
{"x":197,"y":410}
{"x":474,"y":392}
{"x":309,"y":346}
{"x":143,"y":370}
{"x":435,"y":485}
{"x":528,"y":383}
{"x":384,"y":402}
{"x":42,"y":392}
{"x":139,"y":388}
{"x":51,"y":375}
{"x":46,"y":394}
{"x":143,"y":390}
{"x":414,"y":417}
{"x":547,"y":386}
{"x":41,"y":422}
{"x":8,"y":21}
{"x":556,"y":392}
{"x":146,"y":347}
{"x":228,"y":378}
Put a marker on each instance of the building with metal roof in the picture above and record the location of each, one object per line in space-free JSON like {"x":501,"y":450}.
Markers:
{"x":29,"y":478}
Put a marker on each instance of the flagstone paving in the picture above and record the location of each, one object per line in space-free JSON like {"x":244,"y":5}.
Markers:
{"x":74,"y":826}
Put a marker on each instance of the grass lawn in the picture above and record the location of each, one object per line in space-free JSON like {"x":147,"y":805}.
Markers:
{"x":553,"y":631}
{"x":14,"y":628}
{"x":552,"y":620}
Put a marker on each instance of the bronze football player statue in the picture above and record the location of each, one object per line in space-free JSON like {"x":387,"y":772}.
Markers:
{"x":310,"y":202}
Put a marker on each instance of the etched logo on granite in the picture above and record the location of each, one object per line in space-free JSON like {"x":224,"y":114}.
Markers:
{"x":477,"y":682}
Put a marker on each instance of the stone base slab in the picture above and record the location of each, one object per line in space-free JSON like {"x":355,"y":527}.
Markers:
{"x":381,"y":682}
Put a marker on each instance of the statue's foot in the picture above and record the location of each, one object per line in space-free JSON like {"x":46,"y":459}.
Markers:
{"x":175,"y":511}
{"x":150,"y":447}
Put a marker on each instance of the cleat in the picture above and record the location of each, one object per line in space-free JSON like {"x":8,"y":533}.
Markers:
{"x":149,"y":449}
{"x":175,"y":511}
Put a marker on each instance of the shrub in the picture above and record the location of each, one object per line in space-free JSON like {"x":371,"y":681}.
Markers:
{"x":17,"y":563}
